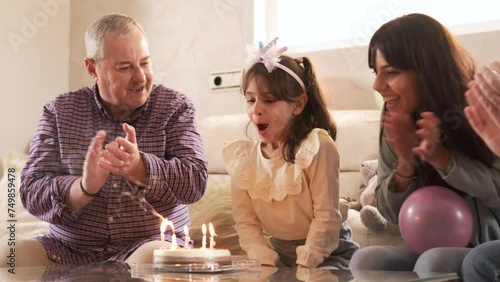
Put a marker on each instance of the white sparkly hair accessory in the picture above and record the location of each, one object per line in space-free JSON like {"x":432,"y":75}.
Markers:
{"x":269,"y":55}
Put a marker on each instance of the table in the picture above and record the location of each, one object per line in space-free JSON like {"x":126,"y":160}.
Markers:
{"x":110,"y":271}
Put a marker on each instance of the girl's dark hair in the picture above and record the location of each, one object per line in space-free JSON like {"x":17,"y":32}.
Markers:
{"x":419,"y":42}
{"x":284,"y":87}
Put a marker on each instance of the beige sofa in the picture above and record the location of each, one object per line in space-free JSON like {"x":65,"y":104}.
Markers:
{"x":357,"y":141}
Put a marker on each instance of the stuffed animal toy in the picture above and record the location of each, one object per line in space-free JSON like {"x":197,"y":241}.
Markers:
{"x":368,"y":170}
{"x":369,"y":214}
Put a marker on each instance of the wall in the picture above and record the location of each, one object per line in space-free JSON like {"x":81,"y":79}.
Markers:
{"x":34,"y":48}
{"x":347,"y":80}
{"x":188,"y":40}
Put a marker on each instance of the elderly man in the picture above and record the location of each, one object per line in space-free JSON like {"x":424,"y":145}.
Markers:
{"x":145,"y":155}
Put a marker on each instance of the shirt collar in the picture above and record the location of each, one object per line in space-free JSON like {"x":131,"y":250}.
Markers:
{"x":131,"y":119}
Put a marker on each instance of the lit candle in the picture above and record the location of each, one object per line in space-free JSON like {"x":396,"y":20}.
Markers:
{"x":163,"y":227}
{"x":186,"y":238}
{"x":174,"y":242}
{"x":204,"y":232}
{"x":212,"y":234}
{"x":174,"y":238}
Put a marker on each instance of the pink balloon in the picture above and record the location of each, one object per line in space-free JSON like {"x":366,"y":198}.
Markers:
{"x":435,"y":216}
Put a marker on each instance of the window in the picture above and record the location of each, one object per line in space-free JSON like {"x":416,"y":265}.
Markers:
{"x":321,"y":24}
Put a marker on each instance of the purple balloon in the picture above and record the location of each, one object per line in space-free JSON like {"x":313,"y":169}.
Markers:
{"x":435,"y":216}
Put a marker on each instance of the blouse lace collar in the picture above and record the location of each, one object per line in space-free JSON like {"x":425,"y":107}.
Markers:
{"x":243,"y":157}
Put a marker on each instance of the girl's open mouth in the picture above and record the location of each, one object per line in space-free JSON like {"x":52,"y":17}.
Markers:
{"x":262,"y":127}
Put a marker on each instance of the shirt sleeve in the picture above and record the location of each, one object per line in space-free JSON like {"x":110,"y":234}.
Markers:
{"x":248,"y":225}
{"x":44,"y":186}
{"x":181,"y":175}
{"x":323,"y":236}
{"x":467,"y":175}
{"x":388,"y":201}
{"x":476,"y":179}
{"x":249,"y":228}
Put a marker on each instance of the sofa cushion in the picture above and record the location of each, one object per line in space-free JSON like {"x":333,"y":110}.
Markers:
{"x":215,"y":130}
{"x":357,"y":136}
{"x":215,"y":207}
{"x":26,"y":225}
{"x":351,"y":184}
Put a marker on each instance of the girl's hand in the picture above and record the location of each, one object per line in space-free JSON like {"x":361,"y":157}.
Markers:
{"x":430,"y":148}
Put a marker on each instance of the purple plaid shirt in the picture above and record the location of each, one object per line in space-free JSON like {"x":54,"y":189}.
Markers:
{"x":113,"y":225}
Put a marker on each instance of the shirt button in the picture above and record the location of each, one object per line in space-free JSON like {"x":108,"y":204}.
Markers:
{"x":110,"y":219}
{"x":115,"y":185}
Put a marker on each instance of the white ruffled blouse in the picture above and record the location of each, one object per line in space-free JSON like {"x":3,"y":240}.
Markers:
{"x":289,"y":201}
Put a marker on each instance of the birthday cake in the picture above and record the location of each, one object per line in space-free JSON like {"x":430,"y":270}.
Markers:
{"x":195,"y":255}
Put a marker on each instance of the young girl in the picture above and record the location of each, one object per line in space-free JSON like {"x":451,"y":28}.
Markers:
{"x":426,"y":140}
{"x":287,"y":184}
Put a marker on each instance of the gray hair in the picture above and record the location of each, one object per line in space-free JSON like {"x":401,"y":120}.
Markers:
{"x":117,"y":24}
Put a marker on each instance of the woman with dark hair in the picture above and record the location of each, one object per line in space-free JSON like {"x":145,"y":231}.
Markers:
{"x":426,"y":140}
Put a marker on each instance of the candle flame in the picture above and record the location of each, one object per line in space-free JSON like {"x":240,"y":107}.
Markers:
{"x":164,"y":224}
{"x":167,"y":223}
{"x":211,"y":228}
{"x":204,"y":229}
{"x":186,"y":231}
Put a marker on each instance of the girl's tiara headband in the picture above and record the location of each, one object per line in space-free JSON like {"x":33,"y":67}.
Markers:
{"x":270,"y":57}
